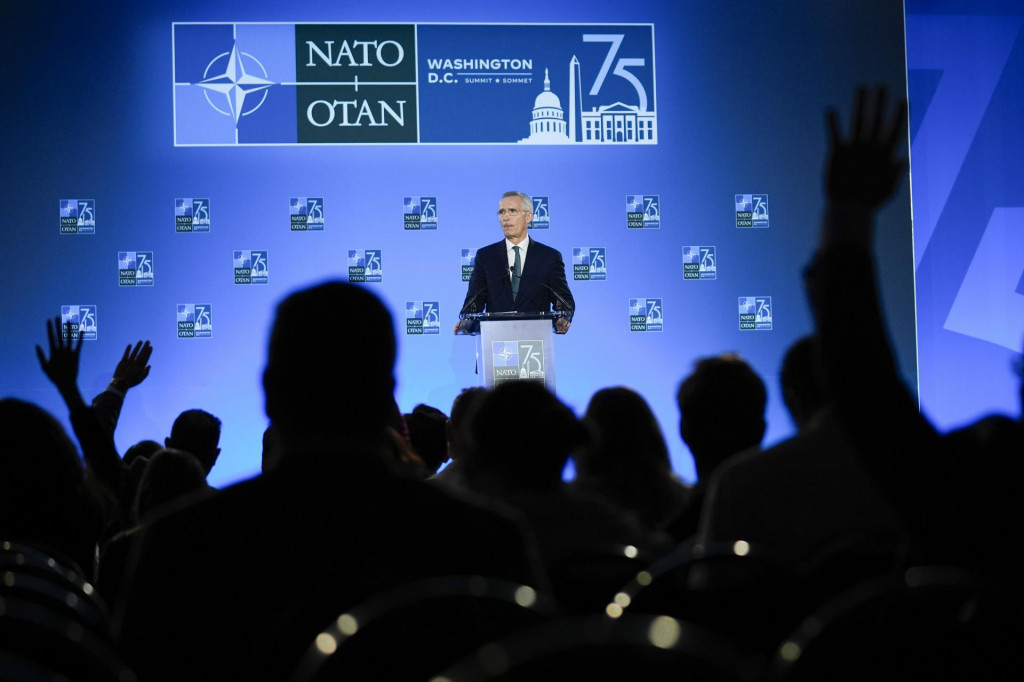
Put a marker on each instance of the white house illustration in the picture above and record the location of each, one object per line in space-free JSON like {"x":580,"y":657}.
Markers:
{"x":619,"y":123}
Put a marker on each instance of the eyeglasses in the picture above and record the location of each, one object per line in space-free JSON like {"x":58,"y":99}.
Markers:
{"x":511,"y":212}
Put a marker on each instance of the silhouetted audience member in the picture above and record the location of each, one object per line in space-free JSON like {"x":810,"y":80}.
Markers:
{"x":196,"y":432}
{"x":426,"y":426}
{"x":801,"y":386}
{"x":135,"y":460}
{"x":248,"y":576}
{"x":524,"y":435}
{"x":959,"y":494}
{"x":144,"y":449}
{"x":626,"y":461}
{"x":721,"y":413}
{"x":808,"y":497}
{"x":460,"y":437}
{"x":167,"y":476}
{"x":45,"y":499}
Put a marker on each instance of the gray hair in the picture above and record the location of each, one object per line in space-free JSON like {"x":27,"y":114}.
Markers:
{"x":525,"y":198}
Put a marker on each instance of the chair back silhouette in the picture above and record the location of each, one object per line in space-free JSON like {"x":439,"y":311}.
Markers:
{"x":54,"y":645}
{"x":931,"y":623}
{"x":748,"y":593}
{"x":586,"y":581}
{"x":417,"y":629}
{"x":599,"y":648}
{"x":34,"y":576}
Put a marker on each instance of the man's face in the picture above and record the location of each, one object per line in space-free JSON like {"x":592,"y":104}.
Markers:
{"x":514,"y":226}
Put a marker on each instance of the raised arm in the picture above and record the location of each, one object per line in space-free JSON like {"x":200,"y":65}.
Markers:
{"x":880,"y":415}
{"x":62,"y":366}
{"x":131,"y":371}
{"x":97,"y":444}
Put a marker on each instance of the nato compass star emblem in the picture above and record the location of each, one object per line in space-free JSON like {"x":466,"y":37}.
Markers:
{"x":231,"y":80}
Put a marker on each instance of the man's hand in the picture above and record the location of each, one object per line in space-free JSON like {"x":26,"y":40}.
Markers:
{"x":561,"y":325}
{"x":862,"y":170}
{"x":62,"y":366}
{"x":461,"y":325}
{"x":132,"y":369}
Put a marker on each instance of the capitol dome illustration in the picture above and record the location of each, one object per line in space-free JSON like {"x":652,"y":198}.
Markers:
{"x":547,"y":125}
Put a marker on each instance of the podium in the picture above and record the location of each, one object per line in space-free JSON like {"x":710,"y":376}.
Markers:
{"x":514,"y":346}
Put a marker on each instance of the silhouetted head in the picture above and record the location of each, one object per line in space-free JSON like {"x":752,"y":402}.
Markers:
{"x":721,"y":410}
{"x":144,"y":449}
{"x":42,"y":484}
{"x":38,"y":457}
{"x":426,"y":426}
{"x":330,"y":365}
{"x":459,"y":427}
{"x":524,"y":435}
{"x":169,"y":475}
{"x":625,"y":435}
{"x":801,"y":389}
{"x":196,"y":432}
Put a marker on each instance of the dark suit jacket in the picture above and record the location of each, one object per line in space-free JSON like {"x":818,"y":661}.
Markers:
{"x":250,"y":575}
{"x":490,"y":287}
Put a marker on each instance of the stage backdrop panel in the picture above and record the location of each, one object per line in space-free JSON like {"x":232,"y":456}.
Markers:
{"x":965,"y":64}
{"x":174,"y":169}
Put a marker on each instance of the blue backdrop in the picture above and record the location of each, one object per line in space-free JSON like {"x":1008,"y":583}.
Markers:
{"x":965,"y":63}
{"x":132,"y":114}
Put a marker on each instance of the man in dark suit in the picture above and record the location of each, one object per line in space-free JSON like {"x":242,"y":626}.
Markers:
{"x":518,"y":273}
{"x":236,"y":585}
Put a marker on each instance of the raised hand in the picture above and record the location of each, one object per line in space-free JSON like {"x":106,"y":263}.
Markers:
{"x":132,"y":369}
{"x":62,"y":365}
{"x":863,"y":168}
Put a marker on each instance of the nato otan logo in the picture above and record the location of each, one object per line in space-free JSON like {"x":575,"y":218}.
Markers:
{"x":419,"y":213}
{"x":752,"y":210}
{"x":422,"y":317}
{"x":467,"y":259}
{"x":646,"y":315}
{"x":541,"y":214}
{"x":82,"y":319}
{"x":78,"y":216}
{"x":191,"y":215}
{"x":251,"y":267}
{"x":755,"y":313}
{"x":643,"y":212}
{"x":307,"y":213}
{"x":195,"y":320}
{"x":699,"y":262}
{"x":364,"y":265}
{"x":135,"y":268}
{"x":589,"y":263}
{"x":517,"y":361}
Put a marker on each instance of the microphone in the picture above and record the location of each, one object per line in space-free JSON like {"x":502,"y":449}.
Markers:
{"x":470,"y":302}
{"x":564,"y":306}
{"x":479,"y":292}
